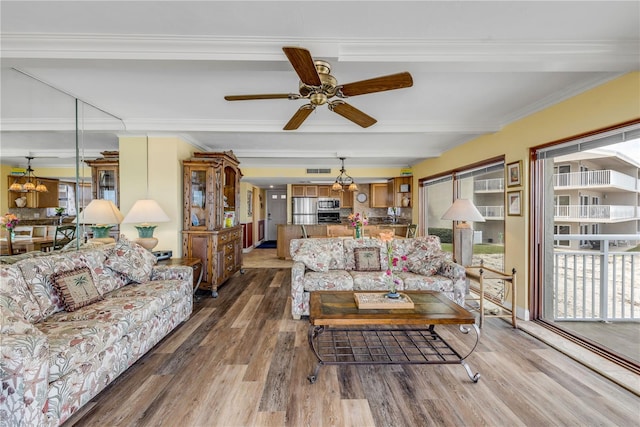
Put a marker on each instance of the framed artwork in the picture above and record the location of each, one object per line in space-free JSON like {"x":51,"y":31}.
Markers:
{"x":249,"y":202}
{"x":514,"y":173}
{"x":514,"y":203}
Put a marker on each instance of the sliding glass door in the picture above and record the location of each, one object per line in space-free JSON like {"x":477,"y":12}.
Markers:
{"x":586,"y":223}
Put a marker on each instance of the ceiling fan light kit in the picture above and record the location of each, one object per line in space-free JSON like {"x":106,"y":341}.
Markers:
{"x":319,"y":86}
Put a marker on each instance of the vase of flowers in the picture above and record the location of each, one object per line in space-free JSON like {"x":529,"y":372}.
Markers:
{"x":392,"y":262}
{"x":9,"y":222}
{"x":358,"y":222}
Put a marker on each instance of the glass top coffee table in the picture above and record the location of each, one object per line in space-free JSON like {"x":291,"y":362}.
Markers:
{"x":341,"y":333}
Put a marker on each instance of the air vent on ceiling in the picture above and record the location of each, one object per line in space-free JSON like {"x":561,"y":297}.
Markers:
{"x":318,"y":171}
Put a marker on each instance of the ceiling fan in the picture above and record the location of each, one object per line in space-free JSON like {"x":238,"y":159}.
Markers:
{"x":319,"y":86}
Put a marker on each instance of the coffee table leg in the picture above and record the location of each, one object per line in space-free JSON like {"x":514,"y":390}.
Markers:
{"x":314,"y":331}
{"x":465,"y":330}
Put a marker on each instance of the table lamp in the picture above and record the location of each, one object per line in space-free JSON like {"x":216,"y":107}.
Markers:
{"x":146,"y":211}
{"x":463,"y":210}
{"x":103,"y":215}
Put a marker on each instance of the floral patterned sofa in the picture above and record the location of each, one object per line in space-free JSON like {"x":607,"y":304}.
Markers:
{"x":71,"y":322}
{"x":332,"y":264}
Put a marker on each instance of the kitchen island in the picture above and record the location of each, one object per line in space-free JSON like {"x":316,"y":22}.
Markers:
{"x":286,"y":232}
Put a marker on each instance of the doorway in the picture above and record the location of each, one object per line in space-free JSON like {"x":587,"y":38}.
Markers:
{"x":276,"y":212}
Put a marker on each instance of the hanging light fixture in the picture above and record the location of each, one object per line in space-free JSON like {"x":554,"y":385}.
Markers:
{"x":32,"y":183}
{"x":343,"y":180}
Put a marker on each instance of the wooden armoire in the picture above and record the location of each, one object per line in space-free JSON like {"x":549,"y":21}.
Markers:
{"x":211,"y":227}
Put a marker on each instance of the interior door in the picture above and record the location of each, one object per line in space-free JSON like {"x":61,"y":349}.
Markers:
{"x":276,"y":212}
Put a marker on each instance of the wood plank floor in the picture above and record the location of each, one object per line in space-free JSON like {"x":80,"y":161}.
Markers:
{"x":240,"y":360}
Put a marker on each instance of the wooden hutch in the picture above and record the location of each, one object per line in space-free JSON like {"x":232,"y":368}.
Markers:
{"x":211,"y":225}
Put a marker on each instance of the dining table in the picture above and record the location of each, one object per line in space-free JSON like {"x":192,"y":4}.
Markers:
{"x":27,"y":244}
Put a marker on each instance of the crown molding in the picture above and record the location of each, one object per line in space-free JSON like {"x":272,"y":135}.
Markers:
{"x":505,"y":55}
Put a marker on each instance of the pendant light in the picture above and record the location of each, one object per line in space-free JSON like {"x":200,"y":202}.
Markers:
{"x":343,"y":180}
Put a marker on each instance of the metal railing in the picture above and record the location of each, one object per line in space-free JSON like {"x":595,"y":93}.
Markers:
{"x":488,"y":185}
{"x":602,"y":178}
{"x":597,"y":285}
{"x":595,"y":212}
{"x":491,"y":212}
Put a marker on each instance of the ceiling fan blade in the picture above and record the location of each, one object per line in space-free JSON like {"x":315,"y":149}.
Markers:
{"x":299,"y":117}
{"x":350,"y":112}
{"x":303,"y":64}
{"x":378,"y":84}
{"x":264,"y":96}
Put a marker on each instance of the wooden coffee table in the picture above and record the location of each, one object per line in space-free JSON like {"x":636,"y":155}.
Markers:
{"x":341,"y":333}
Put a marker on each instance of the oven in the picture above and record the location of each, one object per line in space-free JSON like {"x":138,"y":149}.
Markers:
{"x":328,"y":204}
{"x":328,"y":217}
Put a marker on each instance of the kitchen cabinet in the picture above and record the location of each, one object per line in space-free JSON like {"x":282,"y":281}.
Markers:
{"x":304,"y":191}
{"x":211,"y":229}
{"x":105,"y":177}
{"x":324,"y":191}
{"x":379,"y":194}
{"x":46,"y":199}
{"x":399,"y":189}
{"x":346,"y":199}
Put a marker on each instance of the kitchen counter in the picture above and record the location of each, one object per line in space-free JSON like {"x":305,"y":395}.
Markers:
{"x":286,"y":232}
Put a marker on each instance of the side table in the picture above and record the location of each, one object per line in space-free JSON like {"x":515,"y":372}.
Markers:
{"x":480,"y":273}
{"x":195,"y":263}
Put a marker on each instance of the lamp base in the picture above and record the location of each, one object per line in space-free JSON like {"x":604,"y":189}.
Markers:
{"x":147,"y":242}
{"x":101,"y":231}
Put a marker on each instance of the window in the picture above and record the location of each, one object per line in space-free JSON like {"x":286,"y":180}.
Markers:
{"x":484,"y":185}
{"x":562,"y":229}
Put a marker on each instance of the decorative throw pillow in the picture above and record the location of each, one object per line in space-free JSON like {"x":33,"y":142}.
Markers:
{"x":132,"y":260}
{"x":367,"y":259}
{"x":313,"y":258}
{"x":76,"y":288}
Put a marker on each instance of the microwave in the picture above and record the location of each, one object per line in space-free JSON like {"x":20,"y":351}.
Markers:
{"x":328,"y":204}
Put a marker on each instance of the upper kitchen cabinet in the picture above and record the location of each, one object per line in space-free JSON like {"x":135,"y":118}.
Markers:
{"x":304,"y":191}
{"x":105,"y":177}
{"x":379,"y":194}
{"x":400,"y":191}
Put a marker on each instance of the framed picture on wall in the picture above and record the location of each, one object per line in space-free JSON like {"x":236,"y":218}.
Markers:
{"x":514,"y":174}
{"x":514,"y":203}
{"x":249,"y":202}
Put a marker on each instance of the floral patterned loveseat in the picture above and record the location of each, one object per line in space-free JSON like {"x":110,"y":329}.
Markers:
{"x":71,"y":322}
{"x":331,"y":264}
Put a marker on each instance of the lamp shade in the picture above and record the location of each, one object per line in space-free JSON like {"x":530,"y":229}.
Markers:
{"x":145,"y":211}
{"x":463,"y":210}
{"x":100,"y":211}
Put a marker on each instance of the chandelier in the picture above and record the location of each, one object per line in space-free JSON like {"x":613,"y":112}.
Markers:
{"x":31,"y":184}
{"x":343,"y":180}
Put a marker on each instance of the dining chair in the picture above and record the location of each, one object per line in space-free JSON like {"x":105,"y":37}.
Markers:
{"x":411,"y":230}
{"x":23,"y":232}
{"x":64,"y":234}
{"x":8,"y":248}
{"x":304,"y":231}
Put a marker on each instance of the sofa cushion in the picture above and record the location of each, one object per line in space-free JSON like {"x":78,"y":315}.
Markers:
{"x":37,"y":274}
{"x":132,"y":260}
{"x":351,"y":244}
{"x":367,"y":259}
{"x":373,"y":281}
{"x":319,"y":254}
{"x":107,"y":280}
{"x":418,"y":282}
{"x":76,"y":288}
{"x":14,"y":287}
{"x":332,"y":280}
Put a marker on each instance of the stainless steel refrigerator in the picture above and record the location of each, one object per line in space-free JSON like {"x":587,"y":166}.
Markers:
{"x":305,"y":210}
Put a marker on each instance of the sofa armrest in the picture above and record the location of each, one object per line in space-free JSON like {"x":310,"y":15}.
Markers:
{"x":452,"y":270}
{"x":172,"y":272}
{"x":24,"y":375}
{"x":297,"y":290}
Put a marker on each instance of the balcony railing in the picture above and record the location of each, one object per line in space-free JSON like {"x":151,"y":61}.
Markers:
{"x":492,"y":185}
{"x":596,"y":212}
{"x":491,"y":212}
{"x":600,"y":285}
{"x":603,"y":178}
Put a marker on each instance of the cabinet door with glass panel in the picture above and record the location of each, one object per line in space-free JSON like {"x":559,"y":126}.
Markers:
{"x":105,"y":177}
{"x":199,"y":184}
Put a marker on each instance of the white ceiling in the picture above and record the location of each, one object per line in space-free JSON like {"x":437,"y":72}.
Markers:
{"x":163,"y":67}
